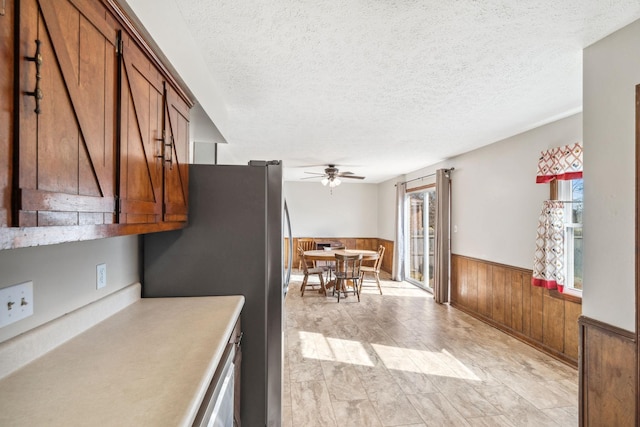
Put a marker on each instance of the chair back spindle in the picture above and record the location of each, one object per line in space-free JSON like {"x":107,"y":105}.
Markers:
{"x":348,"y":269}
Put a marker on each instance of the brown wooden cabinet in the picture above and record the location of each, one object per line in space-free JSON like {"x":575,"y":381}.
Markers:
{"x":102,"y":129}
{"x":67,"y":131}
{"x":6,"y":109}
{"x":176,"y":173}
{"x":155,"y":142}
{"x":142,"y":136}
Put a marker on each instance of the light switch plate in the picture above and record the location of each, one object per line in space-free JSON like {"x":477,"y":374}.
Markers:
{"x":101,"y":276}
{"x":16,"y":303}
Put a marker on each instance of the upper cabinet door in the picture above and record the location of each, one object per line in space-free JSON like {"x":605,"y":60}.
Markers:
{"x":6,"y":108}
{"x":176,"y":157}
{"x":67,"y":106}
{"x":142,"y":137}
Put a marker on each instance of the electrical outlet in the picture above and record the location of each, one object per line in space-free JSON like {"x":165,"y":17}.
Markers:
{"x":16,"y":303}
{"x":101,"y":276}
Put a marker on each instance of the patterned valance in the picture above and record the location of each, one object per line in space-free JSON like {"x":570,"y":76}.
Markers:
{"x":562,"y":163}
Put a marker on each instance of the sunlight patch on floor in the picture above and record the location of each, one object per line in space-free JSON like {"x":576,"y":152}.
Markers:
{"x":316,"y":346}
{"x":442,"y":363}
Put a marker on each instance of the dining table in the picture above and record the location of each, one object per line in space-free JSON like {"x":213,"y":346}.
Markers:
{"x":330,"y":256}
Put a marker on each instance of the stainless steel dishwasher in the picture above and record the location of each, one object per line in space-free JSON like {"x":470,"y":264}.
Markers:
{"x":217,"y":406}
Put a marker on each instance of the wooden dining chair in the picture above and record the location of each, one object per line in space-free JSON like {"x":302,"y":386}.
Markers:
{"x":347,"y":270}
{"x":303,"y":260}
{"x":375,"y":269}
{"x":310,"y":271}
{"x":329,"y":266}
{"x":305,"y":245}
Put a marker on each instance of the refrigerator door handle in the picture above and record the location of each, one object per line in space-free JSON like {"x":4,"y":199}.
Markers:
{"x":290,"y":257}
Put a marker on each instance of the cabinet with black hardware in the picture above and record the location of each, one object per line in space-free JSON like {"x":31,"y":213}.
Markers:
{"x":94,"y":130}
{"x":6,"y":108}
{"x":67,"y":85}
{"x":154,"y":142}
{"x":143,"y":136}
{"x":176,"y":173}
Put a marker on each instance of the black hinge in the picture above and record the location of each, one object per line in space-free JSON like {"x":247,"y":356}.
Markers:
{"x":118,"y":203}
{"x":119,"y":46}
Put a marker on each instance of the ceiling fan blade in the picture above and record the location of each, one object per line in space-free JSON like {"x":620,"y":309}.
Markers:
{"x":311,"y":177}
{"x":315,"y":173}
{"x":350,"y":176}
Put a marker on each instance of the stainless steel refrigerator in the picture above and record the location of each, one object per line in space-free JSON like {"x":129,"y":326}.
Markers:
{"x":233,"y":245}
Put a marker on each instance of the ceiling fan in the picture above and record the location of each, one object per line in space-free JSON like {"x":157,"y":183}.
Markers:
{"x":332,"y":175}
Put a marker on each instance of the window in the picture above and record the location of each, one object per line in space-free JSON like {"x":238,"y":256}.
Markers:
{"x":421,"y":218}
{"x":571,"y":191}
{"x":558,"y":256}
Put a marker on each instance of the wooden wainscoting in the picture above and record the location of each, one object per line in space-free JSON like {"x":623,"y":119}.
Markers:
{"x":502,"y":296}
{"x":387,"y":260}
{"x":608,"y":377}
{"x":370,"y":243}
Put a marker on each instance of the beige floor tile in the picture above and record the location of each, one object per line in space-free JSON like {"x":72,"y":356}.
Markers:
{"x":412,"y":382}
{"x":566,"y":417}
{"x":311,"y":405}
{"x":308,"y":370}
{"x":343,"y":382}
{"x":400,"y":359}
{"x":493,"y":421}
{"x":286,"y":393}
{"x":287,"y":420}
{"x":543,"y":395}
{"x":356,"y":413}
{"x":518,"y":410}
{"x":395,"y":409}
{"x":436,"y":410}
{"x":470,"y":403}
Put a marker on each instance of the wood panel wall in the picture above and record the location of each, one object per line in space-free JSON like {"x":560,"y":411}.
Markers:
{"x":369,"y":243}
{"x":502,"y":296}
{"x":608,"y":377}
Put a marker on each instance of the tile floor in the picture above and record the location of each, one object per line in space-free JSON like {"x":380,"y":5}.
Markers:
{"x":399,"y":359}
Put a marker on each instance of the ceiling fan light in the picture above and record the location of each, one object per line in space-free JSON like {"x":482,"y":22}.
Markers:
{"x":335,"y":182}
{"x":325,"y":181}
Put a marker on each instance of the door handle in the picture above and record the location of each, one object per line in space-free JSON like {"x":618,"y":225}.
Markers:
{"x":169,"y":158}
{"x":37,"y":92}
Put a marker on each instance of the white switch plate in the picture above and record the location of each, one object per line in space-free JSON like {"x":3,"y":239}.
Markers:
{"x":101,"y":276}
{"x":16,"y":303}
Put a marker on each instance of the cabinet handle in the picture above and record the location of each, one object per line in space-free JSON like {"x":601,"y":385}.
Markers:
{"x":3,"y":7}
{"x":169,"y":158}
{"x":161,"y":140}
{"x":37,"y":92}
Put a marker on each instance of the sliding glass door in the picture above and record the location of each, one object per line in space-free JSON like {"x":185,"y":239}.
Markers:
{"x":421,"y":219}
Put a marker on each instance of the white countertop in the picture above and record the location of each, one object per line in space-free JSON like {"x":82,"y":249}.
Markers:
{"x":147,"y":365}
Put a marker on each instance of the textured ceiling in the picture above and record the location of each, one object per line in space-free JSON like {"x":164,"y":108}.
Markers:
{"x":383,"y":88}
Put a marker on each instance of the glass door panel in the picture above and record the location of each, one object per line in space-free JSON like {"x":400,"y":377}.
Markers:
{"x":420,"y":249}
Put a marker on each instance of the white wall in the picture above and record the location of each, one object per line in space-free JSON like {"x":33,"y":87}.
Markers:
{"x":495,"y":200}
{"x":64,"y":276}
{"x":203,"y":137}
{"x":386,"y":208}
{"x":611,"y":71}
{"x":351,"y":211}
{"x":178,"y":48}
